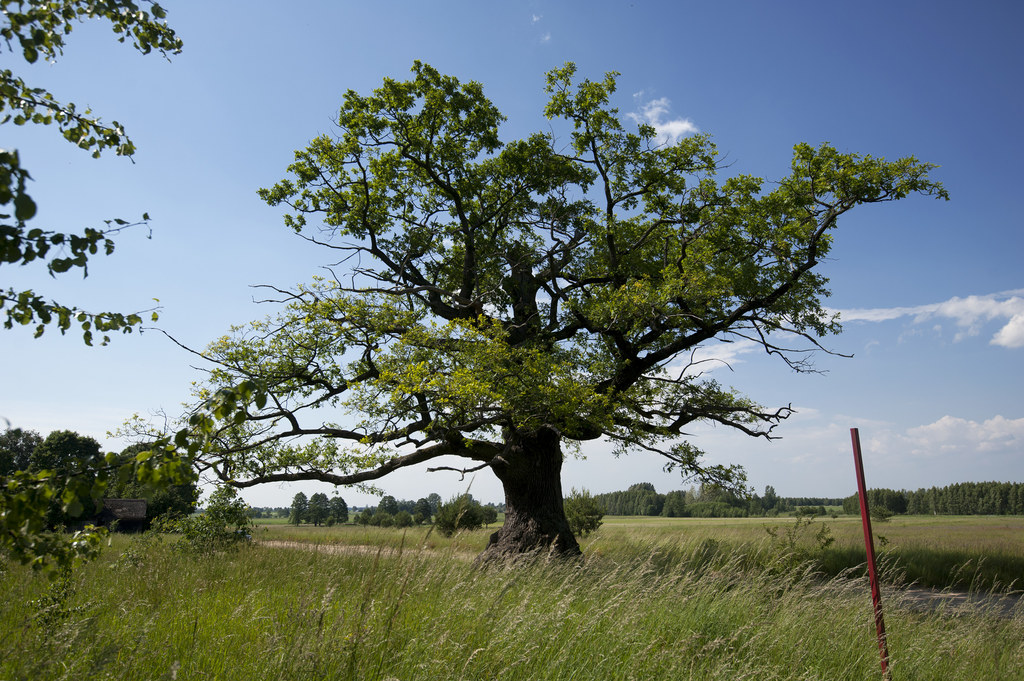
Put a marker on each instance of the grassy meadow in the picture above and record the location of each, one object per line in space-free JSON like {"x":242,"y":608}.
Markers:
{"x":961,"y":552}
{"x":655,"y":599}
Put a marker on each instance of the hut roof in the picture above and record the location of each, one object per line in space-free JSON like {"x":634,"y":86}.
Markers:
{"x":126,"y":509}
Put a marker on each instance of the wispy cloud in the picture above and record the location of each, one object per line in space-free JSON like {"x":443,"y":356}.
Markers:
{"x":969,"y":314}
{"x":545,"y":37}
{"x":707,"y":358}
{"x":655,"y":113}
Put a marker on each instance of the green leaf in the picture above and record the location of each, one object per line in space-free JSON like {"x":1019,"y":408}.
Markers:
{"x":75,"y":508}
{"x":24,"y":207}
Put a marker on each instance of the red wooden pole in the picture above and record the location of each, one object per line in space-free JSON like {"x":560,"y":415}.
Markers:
{"x":869,"y":544}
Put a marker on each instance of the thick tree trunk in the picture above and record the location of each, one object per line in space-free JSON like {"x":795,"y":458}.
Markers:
{"x":535,"y":522}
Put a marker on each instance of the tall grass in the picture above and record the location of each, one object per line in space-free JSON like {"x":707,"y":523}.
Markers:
{"x":688,"y":610}
{"x":959,"y":552}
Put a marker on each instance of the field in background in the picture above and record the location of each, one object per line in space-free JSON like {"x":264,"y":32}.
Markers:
{"x":964,"y":552}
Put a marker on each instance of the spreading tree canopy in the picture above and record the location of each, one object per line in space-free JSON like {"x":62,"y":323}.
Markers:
{"x":500,"y":300}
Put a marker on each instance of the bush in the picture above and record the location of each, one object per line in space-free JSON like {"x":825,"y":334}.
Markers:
{"x":403,"y":519}
{"x":460,"y":513}
{"x":223,"y":524}
{"x":583,"y":512}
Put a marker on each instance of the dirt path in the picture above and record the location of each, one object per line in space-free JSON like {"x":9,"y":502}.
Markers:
{"x":360,"y":549}
{"x":954,"y":602}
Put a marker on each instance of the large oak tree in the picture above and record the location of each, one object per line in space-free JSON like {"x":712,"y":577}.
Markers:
{"x":500,"y":301}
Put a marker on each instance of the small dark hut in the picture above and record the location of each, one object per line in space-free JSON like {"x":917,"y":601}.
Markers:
{"x":123,"y":515}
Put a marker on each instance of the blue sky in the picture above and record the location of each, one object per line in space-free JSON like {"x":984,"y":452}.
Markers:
{"x":932,"y":292}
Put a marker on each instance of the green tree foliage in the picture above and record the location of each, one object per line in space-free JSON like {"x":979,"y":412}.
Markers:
{"x":318,"y":509}
{"x":675,"y":505}
{"x":37,"y":30}
{"x":169,"y":501}
{"x":423,"y":510}
{"x":640,"y":499}
{"x":459,"y":513}
{"x":388,"y":504}
{"x":300,"y":509}
{"x":16,"y":447}
{"x":964,"y":498}
{"x":490,"y":515}
{"x":434,"y":499}
{"x":714,"y":509}
{"x":72,"y":457}
{"x":513,"y":297}
{"x":583,"y":511}
{"x":65,"y":478}
{"x":339,"y":509}
{"x":709,"y":501}
{"x":223,"y":524}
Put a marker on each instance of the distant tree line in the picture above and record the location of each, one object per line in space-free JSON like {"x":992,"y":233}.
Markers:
{"x":269,"y":511}
{"x":707,"y":501}
{"x":964,"y":498}
{"x":461,"y":512}
{"x":392,"y":512}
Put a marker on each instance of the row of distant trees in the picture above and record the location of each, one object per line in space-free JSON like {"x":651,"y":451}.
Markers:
{"x":318,"y":509}
{"x":706,"y":501}
{"x":66,"y":452}
{"x":460,"y":512}
{"x":964,"y":498}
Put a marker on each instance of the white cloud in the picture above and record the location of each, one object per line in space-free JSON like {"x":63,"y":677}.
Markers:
{"x":969,"y":314}
{"x":655,"y":113}
{"x":1011,"y":335}
{"x":815,"y":452}
{"x":546,"y":38}
{"x":952,"y":440}
{"x":954,"y":434}
{"x":535,"y":18}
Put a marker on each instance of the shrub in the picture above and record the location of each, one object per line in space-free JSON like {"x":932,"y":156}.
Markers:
{"x":223,"y":524}
{"x":460,"y":513}
{"x":583,"y":512}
